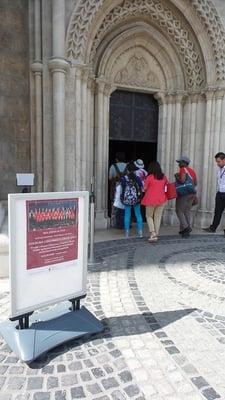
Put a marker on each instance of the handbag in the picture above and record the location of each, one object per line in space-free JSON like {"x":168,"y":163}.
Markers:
{"x":171,"y":192}
{"x":194,"y":200}
{"x":183,"y":189}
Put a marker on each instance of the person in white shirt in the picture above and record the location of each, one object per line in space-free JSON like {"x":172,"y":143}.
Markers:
{"x":220,"y":195}
{"x":115,"y":172}
{"x":117,"y":218}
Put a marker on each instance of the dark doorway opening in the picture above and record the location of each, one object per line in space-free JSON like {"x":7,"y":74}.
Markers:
{"x":133,"y":127}
{"x":133,"y":150}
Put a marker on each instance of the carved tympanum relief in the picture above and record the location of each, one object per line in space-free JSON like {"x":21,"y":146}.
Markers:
{"x":86,"y":11}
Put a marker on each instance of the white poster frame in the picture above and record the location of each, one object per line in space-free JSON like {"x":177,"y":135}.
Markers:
{"x":18,"y":252}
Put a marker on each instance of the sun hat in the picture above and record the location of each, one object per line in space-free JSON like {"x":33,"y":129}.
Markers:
{"x":185,"y":159}
{"x":139,"y":164}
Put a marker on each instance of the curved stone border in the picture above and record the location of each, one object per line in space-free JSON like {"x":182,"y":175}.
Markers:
{"x":162,"y":266}
{"x":196,"y":379}
{"x":78,"y":369}
{"x":208,"y":392}
{"x":208,"y":268}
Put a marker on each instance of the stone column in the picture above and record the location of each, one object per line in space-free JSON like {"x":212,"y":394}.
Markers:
{"x":215,"y":145}
{"x":99,"y":133}
{"x":161,"y":98}
{"x":192,"y":127}
{"x":77,"y":133}
{"x":222,"y":129}
{"x":103,"y":90}
{"x":90,"y":130}
{"x":58,"y":67}
{"x":84,"y":131}
{"x":37,"y":69}
{"x":70,"y":108}
{"x":105,"y":158}
{"x":206,"y":153}
{"x":169,"y":121}
{"x":177,"y":139}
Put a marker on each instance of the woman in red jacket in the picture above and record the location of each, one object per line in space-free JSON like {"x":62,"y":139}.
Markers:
{"x":155,"y":198}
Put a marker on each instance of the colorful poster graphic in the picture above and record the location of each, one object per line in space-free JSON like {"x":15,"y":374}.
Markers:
{"x":52,"y":232}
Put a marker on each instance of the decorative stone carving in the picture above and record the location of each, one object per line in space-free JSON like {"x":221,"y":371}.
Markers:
{"x":84,"y":13}
{"x":86,"y":10}
{"x":137,"y":73}
{"x":166,"y":20}
{"x":132,"y":65}
{"x":208,"y":14}
{"x":174,"y":27}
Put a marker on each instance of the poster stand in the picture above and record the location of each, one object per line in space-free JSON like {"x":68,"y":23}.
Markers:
{"x":48,"y":267}
{"x":57,"y":326}
{"x":23,"y":320}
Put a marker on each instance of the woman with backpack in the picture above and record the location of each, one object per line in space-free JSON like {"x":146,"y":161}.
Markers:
{"x":154,"y":199}
{"x":131,"y":197}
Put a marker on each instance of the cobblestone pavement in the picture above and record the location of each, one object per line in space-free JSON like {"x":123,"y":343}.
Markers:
{"x":163,"y":309}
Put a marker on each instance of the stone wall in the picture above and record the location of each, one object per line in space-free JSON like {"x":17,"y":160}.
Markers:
{"x":14,"y":93}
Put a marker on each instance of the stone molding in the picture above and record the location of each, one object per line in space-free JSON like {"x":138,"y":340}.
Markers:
{"x":104,"y":86}
{"x":86,"y":10}
{"x":216,"y":33}
{"x":37,"y":67}
{"x":168,"y":21}
{"x":58,"y":64}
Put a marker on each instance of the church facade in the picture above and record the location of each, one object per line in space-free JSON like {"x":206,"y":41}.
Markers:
{"x":73,"y":57}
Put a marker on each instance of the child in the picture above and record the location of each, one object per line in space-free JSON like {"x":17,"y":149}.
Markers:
{"x":131,"y":197}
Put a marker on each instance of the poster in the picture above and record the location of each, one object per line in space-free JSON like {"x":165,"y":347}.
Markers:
{"x":52,"y":232}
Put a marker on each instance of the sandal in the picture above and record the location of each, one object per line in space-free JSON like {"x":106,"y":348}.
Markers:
{"x":153,"y":239}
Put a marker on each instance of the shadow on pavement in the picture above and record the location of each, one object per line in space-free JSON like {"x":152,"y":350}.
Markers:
{"x":121,"y":326}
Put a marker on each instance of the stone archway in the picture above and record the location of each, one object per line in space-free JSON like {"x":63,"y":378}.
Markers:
{"x":108,"y":43}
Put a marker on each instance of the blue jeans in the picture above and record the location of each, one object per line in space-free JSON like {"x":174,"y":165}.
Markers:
{"x":127,"y":216}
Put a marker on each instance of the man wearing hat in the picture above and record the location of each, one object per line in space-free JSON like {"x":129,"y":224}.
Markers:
{"x":140,"y":171}
{"x":184,"y":203}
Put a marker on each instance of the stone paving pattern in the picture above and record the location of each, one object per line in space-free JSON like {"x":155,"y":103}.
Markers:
{"x":163,"y":309}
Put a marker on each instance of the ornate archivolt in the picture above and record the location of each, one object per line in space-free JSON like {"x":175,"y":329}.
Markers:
{"x":171,"y":25}
{"x":140,"y":58}
{"x":207,"y":13}
{"x":87,"y":10}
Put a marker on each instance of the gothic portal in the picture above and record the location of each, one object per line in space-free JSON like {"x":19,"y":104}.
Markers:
{"x":82,"y":52}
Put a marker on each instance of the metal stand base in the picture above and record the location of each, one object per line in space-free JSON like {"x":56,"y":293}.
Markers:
{"x":40,"y":337}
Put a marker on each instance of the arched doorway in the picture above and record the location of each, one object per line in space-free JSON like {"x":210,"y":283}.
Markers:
{"x":154,"y":47}
{"x":133,"y":127}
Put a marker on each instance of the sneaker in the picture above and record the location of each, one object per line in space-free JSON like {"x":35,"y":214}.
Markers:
{"x":126,"y":234}
{"x":153,"y":239}
{"x":188,"y":229}
{"x":140,"y":234}
{"x":185,"y":235}
{"x":209,"y":229}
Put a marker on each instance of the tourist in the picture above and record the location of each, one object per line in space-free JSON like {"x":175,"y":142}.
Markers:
{"x":115,"y":172}
{"x":186,"y":182}
{"x":154,"y":199}
{"x":140,"y":171}
{"x":131,"y":197}
{"x":118,"y":209}
{"x":220,"y":195}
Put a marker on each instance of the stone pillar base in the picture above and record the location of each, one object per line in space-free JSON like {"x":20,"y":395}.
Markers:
{"x":101,"y":221}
